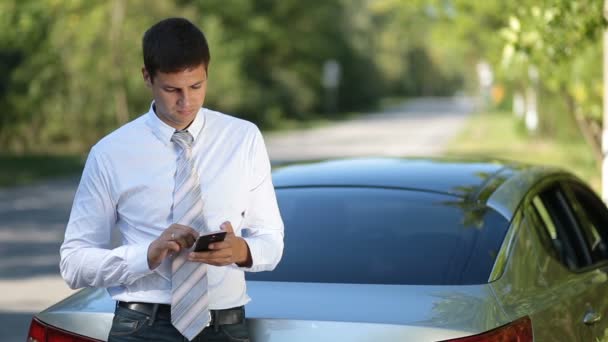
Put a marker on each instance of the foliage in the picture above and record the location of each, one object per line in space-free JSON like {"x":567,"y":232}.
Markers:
{"x":562,"y":39}
{"x":70,"y":70}
{"x":554,"y":46}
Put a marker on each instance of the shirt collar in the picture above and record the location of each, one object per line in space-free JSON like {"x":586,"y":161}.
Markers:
{"x":164,"y":132}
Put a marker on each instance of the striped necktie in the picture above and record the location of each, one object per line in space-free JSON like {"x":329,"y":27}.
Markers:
{"x":189,"y":296}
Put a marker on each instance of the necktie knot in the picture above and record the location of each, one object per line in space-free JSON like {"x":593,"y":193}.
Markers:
{"x":183,"y":139}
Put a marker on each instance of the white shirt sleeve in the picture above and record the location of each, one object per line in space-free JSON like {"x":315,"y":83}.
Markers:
{"x":263,"y":226}
{"x":86,"y":260}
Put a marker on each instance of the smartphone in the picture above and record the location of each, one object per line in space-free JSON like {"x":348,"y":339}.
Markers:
{"x":203,"y":241}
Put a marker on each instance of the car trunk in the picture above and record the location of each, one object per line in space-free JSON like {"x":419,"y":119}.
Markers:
{"x":325,"y":312}
{"x":356,"y":312}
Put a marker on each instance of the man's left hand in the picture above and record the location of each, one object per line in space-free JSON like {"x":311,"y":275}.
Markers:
{"x":233,"y":250}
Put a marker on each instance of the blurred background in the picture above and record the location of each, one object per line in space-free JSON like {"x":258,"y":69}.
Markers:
{"x":529,"y":73}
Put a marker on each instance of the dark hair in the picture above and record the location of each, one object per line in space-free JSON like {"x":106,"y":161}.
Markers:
{"x":174,"y":44}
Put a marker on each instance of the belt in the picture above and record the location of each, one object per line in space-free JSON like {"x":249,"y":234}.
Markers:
{"x":163,"y":311}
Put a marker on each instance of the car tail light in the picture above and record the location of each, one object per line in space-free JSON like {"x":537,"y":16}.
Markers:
{"x":517,"y":331}
{"x":40,"y":332}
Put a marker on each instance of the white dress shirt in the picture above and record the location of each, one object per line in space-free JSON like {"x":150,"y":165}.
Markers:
{"x":128,"y":183}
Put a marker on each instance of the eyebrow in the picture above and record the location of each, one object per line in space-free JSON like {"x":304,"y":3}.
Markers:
{"x":192,"y":85}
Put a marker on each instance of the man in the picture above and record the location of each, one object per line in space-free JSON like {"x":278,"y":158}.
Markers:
{"x":165,"y":178}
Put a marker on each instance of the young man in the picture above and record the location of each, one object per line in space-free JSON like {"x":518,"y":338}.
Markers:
{"x":174,"y":173}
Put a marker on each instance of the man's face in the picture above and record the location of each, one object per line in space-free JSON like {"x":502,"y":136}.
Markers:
{"x":178,"y":95}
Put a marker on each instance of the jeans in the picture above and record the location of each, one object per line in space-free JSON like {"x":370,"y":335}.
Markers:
{"x":132,"y":326}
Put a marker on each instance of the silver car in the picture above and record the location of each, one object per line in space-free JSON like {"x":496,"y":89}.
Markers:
{"x":415,"y":250}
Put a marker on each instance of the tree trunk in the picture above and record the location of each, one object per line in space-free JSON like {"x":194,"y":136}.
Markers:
{"x":587,"y":130}
{"x":584,"y":127}
{"x":605,"y":121}
{"x":119,"y":93}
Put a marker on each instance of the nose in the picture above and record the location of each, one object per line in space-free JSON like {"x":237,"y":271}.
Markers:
{"x":184,"y":99}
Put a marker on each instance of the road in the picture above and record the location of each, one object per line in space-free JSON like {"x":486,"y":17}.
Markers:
{"x":32,"y":218}
{"x":420,"y":127}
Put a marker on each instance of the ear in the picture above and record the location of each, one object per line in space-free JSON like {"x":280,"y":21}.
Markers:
{"x":147,"y":77}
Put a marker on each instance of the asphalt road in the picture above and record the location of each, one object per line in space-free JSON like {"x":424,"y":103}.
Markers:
{"x":420,"y":127}
{"x":32,"y":218}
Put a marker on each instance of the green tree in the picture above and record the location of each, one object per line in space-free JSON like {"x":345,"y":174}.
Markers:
{"x":562,"y":40}
{"x":71,"y":70}
{"x":558,"y":38}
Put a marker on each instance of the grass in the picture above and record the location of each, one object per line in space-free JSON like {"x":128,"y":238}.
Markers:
{"x":20,"y":170}
{"x":501,"y":135}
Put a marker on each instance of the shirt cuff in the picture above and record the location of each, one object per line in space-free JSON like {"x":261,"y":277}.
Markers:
{"x":257,"y":259}
{"x":136,"y":257}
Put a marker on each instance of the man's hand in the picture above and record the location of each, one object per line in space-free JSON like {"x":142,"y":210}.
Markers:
{"x":170,"y":242}
{"x":233,"y":249}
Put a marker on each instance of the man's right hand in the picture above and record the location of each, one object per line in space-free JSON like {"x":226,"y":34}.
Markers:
{"x":170,"y":242}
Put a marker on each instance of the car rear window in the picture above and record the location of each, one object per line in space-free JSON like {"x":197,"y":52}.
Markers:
{"x":384,"y":236}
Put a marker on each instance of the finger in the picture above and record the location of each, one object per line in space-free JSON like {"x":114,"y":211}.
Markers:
{"x":220,"y":245}
{"x":172,"y":233}
{"x":184,"y":230}
{"x":184,"y":241}
{"x":173,"y":247}
{"x":210,"y":257}
{"x":190,"y":240}
{"x":182,"y":236}
{"x":198,"y":256}
{"x":220,"y":262}
{"x":189,"y":231}
{"x":227,"y":227}
{"x":215,"y":262}
{"x":177,"y":237}
{"x":223,"y":253}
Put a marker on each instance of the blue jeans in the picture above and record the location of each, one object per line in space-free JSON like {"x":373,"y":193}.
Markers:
{"x":133,"y":326}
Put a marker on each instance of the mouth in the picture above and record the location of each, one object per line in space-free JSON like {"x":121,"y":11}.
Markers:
{"x":185,"y":111}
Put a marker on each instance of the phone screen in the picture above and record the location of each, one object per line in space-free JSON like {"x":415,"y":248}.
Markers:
{"x":203,"y":241}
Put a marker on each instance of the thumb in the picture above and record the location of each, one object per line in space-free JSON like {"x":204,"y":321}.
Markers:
{"x":227,"y":227}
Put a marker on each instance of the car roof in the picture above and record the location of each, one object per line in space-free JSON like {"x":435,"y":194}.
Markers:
{"x":481,"y":182}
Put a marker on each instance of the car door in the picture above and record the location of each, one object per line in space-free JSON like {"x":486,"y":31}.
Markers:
{"x":591,"y":215}
{"x":564,"y":272}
